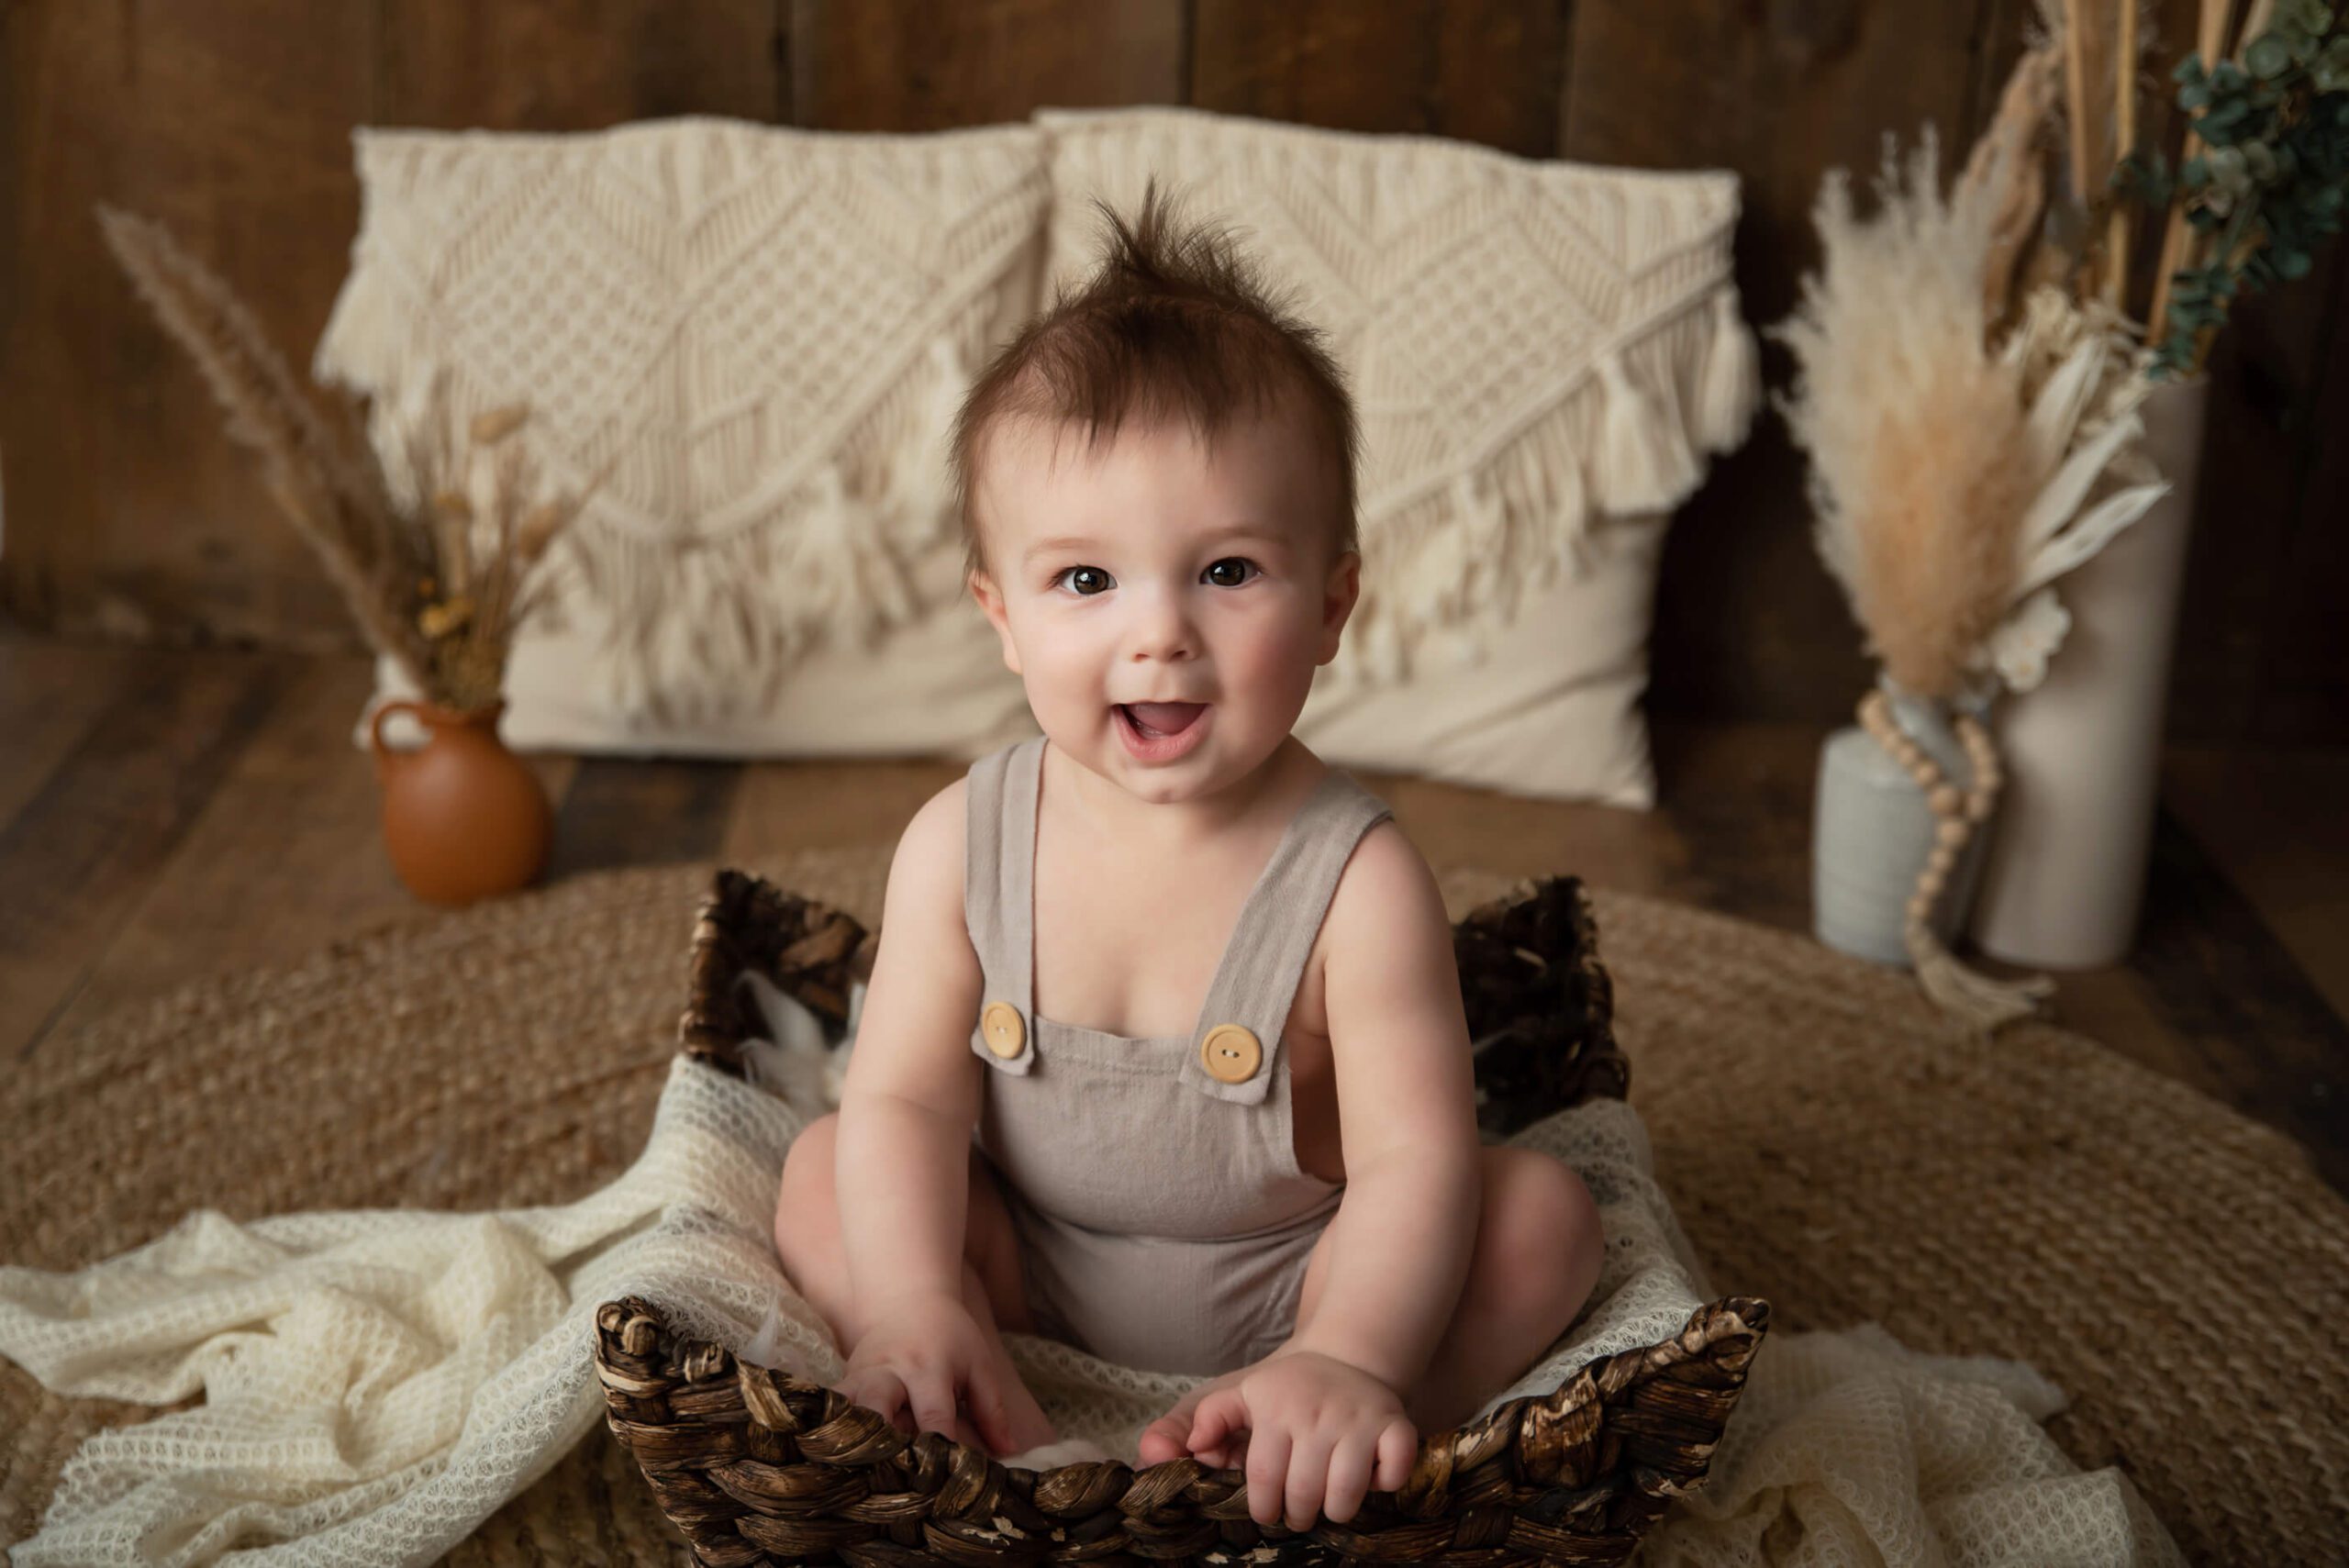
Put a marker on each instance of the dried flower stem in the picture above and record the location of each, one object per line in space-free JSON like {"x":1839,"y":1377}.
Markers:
{"x":2076,"y":95}
{"x":308,"y":467}
{"x":2125,"y":143}
{"x":428,"y":584}
{"x":2089,"y":47}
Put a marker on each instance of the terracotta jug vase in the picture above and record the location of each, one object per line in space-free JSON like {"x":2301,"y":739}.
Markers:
{"x":464,"y":818}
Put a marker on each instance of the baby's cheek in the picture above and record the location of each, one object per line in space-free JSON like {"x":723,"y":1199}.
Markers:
{"x":1281,"y":673}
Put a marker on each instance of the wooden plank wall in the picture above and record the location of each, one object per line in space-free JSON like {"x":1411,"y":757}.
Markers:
{"x":128,"y":515}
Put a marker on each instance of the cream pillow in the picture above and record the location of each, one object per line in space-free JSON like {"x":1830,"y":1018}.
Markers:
{"x":1540,"y":353}
{"x":761,"y":336}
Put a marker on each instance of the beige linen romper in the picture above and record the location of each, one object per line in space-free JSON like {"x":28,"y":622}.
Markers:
{"x":1164,"y":1220}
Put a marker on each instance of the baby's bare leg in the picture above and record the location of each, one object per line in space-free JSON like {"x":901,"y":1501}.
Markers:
{"x":807,"y":1238}
{"x":1537,"y":1259}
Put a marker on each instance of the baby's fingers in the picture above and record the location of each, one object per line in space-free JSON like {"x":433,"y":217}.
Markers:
{"x":991,"y":1422}
{"x":1169,"y":1436}
{"x":1398,"y":1450}
{"x":931,"y":1392}
{"x":1217,"y":1416}
{"x":879,"y":1390}
{"x":1267,"y":1473}
{"x":1308,"y":1477}
{"x":1349,"y":1466}
{"x":1163,"y":1440}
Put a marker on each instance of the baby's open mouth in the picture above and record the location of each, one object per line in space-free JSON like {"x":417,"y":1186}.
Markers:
{"x":1155,"y":720}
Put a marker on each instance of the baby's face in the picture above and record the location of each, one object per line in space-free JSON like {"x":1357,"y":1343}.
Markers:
{"x":1154,"y":571}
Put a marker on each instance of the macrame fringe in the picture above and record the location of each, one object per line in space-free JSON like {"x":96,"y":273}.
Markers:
{"x":1644,"y":462}
{"x":704,"y":628}
{"x":917,"y":493}
{"x":366,"y":348}
{"x":1454,"y":565}
{"x":701,"y":628}
{"x":698,"y":628}
{"x":1731,"y":394}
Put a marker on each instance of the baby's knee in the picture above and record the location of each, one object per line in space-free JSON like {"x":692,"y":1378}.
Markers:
{"x":1547,"y":1231}
{"x":806,"y":1196}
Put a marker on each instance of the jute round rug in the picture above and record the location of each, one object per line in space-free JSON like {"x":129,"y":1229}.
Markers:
{"x":1830,"y":1143}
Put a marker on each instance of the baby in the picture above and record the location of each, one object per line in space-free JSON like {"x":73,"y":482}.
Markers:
{"x":1162,"y":1053}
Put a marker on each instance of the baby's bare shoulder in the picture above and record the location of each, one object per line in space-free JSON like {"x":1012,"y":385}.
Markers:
{"x":1386,"y":897}
{"x":924,"y":900}
{"x":1387,"y":914}
{"x":1399,"y":1034}
{"x":923,"y":997}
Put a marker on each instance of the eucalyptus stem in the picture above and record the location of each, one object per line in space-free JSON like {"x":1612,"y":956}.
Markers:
{"x":2262,"y":175}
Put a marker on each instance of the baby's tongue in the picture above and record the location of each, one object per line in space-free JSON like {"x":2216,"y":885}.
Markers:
{"x":1165,"y":718}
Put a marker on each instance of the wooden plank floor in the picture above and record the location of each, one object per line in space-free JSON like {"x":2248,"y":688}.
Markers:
{"x":169,"y":814}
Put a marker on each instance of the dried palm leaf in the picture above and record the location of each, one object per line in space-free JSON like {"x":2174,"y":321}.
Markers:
{"x":2006,"y":169}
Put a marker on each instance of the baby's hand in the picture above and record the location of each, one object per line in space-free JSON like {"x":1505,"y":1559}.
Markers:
{"x":1322,"y":1435}
{"x":924,"y":1364}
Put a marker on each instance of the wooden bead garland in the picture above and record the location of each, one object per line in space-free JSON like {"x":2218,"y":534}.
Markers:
{"x":1956,"y":813}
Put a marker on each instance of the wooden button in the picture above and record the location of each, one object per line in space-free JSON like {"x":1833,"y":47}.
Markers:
{"x":1001,"y":1026}
{"x":1232,"y":1053}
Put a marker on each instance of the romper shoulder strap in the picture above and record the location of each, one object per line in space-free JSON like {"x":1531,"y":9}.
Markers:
{"x":1235,"y":1045}
{"x":999,"y":859}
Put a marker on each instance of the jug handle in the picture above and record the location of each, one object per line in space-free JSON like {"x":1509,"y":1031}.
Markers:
{"x":386,"y":755}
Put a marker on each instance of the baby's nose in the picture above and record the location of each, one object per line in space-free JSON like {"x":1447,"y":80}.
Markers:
{"x":1165,"y":651}
{"x":1165,"y":632}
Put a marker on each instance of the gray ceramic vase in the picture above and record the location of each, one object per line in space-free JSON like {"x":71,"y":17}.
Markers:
{"x":1871,"y":831}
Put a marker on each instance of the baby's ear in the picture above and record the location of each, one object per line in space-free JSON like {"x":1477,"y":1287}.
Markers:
{"x":990,"y":600}
{"x":1339,"y":593}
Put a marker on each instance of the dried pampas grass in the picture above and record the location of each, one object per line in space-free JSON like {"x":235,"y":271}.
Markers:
{"x":1909,"y":419}
{"x":323,"y":478}
{"x":439,"y":581}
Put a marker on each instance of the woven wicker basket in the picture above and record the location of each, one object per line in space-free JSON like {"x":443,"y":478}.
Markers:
{"x":756,"y":1466}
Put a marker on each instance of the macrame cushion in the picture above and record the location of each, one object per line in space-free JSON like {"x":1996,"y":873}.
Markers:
{"x":1541,"y":354}
{"x":759,"y":1460}
{"x":758,"y":337}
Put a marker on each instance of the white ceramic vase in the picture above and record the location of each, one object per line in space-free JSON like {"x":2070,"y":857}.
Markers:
{"x":2066,"y":869}
{"x":1871,"y":832}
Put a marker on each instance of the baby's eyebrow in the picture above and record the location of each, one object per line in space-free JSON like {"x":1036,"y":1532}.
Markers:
{"x":1257,"y":531}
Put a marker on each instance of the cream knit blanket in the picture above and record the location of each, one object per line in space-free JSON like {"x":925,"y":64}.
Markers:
{"x":377,"y":1381}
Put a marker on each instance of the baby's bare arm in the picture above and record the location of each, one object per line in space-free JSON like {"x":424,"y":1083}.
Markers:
{"x":911,"y":1095}
{"x":1402,"y":1239}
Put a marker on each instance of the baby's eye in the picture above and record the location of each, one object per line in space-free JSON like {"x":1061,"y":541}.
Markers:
{"x":1079,"y":576}
{"x":1238,"y":564}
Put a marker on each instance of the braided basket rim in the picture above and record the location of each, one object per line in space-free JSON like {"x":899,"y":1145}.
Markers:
{"x":1575,"y":1474}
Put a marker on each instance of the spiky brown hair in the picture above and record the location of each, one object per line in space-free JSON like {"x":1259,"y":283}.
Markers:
{"x":1172,"y":322}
